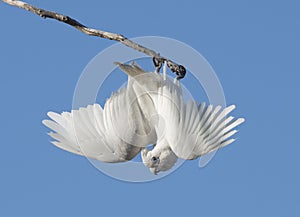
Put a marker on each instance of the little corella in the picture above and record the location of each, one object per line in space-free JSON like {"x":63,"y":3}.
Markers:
{"x":149,"y":110}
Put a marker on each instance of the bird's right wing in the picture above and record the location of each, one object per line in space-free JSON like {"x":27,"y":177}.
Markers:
{"x":192,"y":130}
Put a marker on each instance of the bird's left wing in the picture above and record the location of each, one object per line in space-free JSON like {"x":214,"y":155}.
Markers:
{"x":192,"y":130}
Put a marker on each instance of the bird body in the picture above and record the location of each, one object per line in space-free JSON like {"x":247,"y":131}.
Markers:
{"x":149,"y":110}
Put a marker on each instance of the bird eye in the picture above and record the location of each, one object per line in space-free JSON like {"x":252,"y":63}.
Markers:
{"x":154,"y":159}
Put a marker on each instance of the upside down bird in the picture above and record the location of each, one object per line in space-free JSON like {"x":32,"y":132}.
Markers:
{"x":149,"y":110}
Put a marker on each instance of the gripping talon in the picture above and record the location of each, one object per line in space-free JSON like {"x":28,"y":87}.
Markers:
{"x":157,"y":64}
{"x":180,"y":72}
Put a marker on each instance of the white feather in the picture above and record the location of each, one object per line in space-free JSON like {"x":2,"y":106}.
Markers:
{"x":104,"y":134}
{"x":149,"y":110}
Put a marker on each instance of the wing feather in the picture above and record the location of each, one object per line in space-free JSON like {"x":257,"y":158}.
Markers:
{"x":98,"y":133}
{"x":117,"y":132}
{"x":192,"y":130}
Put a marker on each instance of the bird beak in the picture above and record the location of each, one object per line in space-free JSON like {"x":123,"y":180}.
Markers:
{"x":154,"y":171}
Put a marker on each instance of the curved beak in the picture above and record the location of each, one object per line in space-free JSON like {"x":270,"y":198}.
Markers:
{"x":154,"y":171}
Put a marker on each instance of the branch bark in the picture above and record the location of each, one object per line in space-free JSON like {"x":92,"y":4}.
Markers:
{"x":157,"y":58}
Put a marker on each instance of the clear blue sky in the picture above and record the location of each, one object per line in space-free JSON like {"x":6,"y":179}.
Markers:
{"x":253,"y":47}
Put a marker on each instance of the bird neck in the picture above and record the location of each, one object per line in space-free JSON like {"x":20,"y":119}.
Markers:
{"x":160,"y":146}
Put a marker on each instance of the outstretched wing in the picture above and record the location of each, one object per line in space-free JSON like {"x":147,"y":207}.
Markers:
{"x":110,"y":134}
{"x":192,"y":130}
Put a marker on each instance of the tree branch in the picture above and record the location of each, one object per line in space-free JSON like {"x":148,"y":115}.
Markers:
{"x":157,"y":58}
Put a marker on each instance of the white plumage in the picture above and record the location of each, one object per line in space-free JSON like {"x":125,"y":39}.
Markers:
{"x":149,"y":110}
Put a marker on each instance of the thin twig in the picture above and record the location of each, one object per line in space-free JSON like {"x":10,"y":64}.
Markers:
{"x":157,"y":58}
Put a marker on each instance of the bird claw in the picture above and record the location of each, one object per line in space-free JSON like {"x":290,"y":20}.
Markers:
{"x":179,"y":70}
{"x":157,"y":63}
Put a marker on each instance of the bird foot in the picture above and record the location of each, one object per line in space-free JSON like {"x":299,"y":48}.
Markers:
{"x":157,"y":63}
{"x":179,"y":70}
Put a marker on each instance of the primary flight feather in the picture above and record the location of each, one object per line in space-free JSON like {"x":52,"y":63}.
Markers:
{"x":149,"y":110}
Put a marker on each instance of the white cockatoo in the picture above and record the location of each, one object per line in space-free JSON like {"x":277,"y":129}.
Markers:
{"x":149,"y":110}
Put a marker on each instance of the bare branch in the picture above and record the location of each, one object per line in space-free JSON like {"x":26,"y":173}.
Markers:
{"x":157,"y":58}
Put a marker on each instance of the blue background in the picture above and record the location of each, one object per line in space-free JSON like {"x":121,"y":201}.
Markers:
{"x":253,"y":47}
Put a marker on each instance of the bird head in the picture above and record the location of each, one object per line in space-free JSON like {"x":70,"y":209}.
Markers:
{"x":158,"y":160}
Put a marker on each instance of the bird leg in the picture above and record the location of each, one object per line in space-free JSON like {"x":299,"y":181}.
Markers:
{"x":157,"y":63}
{"x":179,"y":70}
{"x":165,"y":71}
